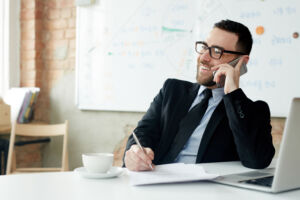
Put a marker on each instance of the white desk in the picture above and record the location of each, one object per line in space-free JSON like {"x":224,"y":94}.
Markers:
{"x":69,"y":185}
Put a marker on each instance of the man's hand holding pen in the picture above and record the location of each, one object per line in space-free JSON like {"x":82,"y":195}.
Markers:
{"x":138,"y":160}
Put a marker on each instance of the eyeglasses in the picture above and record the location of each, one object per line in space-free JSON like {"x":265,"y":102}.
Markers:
{"x":215,"y":52}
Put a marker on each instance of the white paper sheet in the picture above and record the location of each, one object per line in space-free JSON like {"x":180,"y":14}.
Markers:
{"x":170,"y":173}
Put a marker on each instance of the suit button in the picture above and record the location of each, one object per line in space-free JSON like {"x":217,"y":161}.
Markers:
{"x":239,"y":110}
{"x":241,"y":114}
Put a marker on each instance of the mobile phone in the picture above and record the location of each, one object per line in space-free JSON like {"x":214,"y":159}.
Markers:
{"x":233,"y":63}
{"x":243,"y":69}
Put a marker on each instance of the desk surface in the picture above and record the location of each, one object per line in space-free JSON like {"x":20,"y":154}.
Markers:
{"x":69,"y":185}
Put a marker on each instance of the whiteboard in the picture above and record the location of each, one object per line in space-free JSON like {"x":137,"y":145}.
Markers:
{"x":127,"y":49}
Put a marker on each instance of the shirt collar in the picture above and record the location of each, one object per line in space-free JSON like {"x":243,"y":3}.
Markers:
{"x":217,"y":93}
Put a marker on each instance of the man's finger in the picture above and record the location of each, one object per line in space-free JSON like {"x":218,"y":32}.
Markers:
{"x":240,"y":62}
{"x":135,"y":164}
{"x":215,"y":68}
{"x":150,"y":153}
{"x":142,"y":155}
{"x":218,"y":74}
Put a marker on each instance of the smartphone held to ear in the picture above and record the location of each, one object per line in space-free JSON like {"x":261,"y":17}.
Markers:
{"x":233,"y":63}
{"x":243,"y":69}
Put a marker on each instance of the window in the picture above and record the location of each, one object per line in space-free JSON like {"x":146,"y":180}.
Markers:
{"x":9,"y":44}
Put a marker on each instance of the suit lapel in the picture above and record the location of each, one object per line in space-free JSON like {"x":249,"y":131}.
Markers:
{"x":185,"y":103}
{"x":181,"y":108}
{"x":214,"y":121}
{"x":179,"y":111}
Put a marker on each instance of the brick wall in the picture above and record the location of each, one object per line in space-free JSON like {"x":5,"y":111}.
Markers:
{"x":47,"y":51}
{"x":277,"y":129}
{"x":47,"y":46}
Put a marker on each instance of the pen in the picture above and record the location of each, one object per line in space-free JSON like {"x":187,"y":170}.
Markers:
{"x":140,"y":146}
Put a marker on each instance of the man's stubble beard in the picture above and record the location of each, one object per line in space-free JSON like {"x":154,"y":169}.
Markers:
{"x":204,"y":81}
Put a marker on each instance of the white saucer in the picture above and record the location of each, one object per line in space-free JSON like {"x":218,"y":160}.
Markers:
{"x":112,"y":172}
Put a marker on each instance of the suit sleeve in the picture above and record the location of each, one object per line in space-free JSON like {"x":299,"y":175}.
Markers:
{"x":251,"y":129}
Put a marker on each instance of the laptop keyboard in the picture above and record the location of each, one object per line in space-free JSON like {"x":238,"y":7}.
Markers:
{"x":265,"y":181}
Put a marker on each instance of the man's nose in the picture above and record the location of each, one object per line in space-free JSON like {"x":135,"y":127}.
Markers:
{"x":205,"y":56}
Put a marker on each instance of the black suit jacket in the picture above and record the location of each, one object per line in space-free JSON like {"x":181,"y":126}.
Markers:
{"x":239,"y":129}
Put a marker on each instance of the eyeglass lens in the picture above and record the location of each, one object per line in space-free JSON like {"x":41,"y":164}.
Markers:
{"x":214,"y":52}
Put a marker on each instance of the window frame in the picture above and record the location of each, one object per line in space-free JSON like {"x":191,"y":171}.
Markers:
{"x":10,"y":45}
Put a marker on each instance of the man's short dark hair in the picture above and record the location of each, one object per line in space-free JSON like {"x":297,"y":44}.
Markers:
{"x":244,"y":43}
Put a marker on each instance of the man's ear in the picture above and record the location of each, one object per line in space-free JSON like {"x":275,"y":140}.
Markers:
{"x":245,"y":58}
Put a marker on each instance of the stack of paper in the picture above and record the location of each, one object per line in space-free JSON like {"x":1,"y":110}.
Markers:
{"x":170,"y":173}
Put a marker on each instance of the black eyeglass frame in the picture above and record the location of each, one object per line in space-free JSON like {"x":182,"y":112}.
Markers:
{"x":214,"y":46}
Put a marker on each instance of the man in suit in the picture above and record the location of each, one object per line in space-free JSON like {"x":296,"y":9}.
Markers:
{"x":232,"y":127}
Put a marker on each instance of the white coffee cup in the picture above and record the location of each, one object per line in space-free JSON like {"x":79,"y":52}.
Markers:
{"x":97,"y":162}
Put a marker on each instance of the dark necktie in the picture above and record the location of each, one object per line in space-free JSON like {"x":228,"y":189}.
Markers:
{"x":187,"y":126}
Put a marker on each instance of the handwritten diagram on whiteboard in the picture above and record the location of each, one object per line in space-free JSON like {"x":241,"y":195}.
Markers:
{"x":127,"y":49}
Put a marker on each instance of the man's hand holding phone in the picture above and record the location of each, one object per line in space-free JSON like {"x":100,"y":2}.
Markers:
{"x":231,"y":74}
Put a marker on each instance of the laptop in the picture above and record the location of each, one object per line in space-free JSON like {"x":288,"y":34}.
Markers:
{"x":286,"y":175}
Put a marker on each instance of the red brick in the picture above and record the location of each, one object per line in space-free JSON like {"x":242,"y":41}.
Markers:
{"x":48,"y":54}
{"x":29,"y":34}
{"x":39,"y":14}
{"x":39,"y":4}
{"x":39,"y":45}
{"x":46,"y":36}
{"x":38,"y":83}
{"x":70,"y":34}
{"x":56,"y":24}
{"x":28,"y":55}
{"x":52,"y":77}
{"x":55,"y":74}
{"x":39,"y":65}
{"x":53,"y":44}
{"x":39,"y":25}
{"x":65,"y":3}
{"x":27,"y":14}
{"x":43,"y":101}
{"x":66,"y":13}
{"x":55,"y":64}
{"x":27,"y":4}
{"x":52,"y":82}
{"x":72,"y":23}
{"x":28,"y":65}
{"x":28,"y":25}
{"x":27,"y":82}
{"x":27,"y":44}
{"x":53,"y":14}
{"x":39,"y":36}
{"x":72,"y":53}
{"x":42,"y":114}
{"x":51,"y":4}
{"x":74,"y":12}
{"x":72,"y":44}
{"x":28,"y":74}
{"x":57,"y":34}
